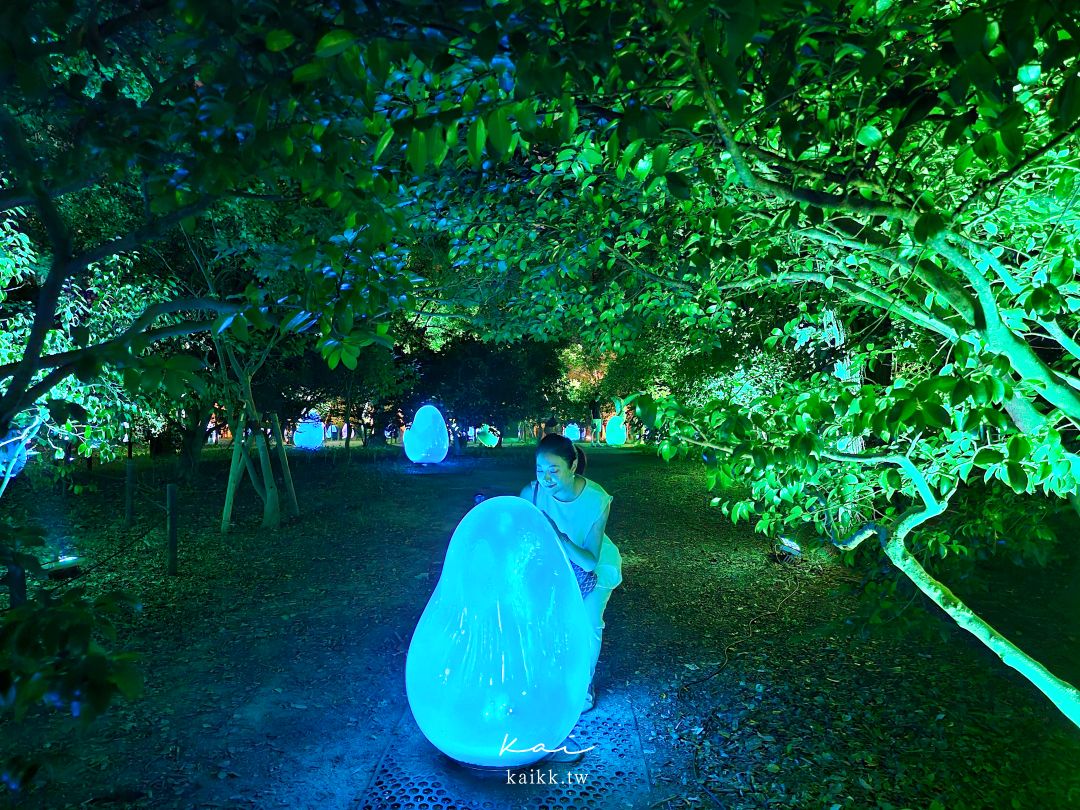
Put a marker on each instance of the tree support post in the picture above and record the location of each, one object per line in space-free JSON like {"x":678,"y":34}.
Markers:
{"x":292,"y":504}
{"x":16,"y":582}
{"x":129,"y":493}
{"x":236,"y":468}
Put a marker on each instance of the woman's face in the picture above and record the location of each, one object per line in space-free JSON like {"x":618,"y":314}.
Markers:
{"x":554,"y":474}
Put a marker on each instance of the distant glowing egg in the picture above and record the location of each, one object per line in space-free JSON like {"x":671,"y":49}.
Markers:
{"x":615,"y":432}
{"x":487,"y":436}
{"x":572,"y":432}
{"x":500,"y":657}
{"x":309,"y":432}
{"x":426,"y":440}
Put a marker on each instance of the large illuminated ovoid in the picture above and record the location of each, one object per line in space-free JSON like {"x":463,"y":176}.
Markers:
{"x":487,"y":436}
{"x":572,"y":432}
{"x":615,"y":432}
{"x":500,"y":657}
{"x":309,"y":432}
{"x":426,"y":440}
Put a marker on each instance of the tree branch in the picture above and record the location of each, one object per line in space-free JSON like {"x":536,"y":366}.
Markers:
{"x":1001,"y":338}
{"x":1016,"y":168}
{"x":793,"y":193}
{"x":858,"y":291}
{"x":20,"y":157}
{"x":20,"y":197}
{"x":136,"y":331}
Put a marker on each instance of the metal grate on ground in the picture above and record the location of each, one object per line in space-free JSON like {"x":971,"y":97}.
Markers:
{"x":413,"y":775}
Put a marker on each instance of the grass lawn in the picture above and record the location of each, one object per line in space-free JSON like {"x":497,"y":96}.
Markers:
{"x":274,"y":663}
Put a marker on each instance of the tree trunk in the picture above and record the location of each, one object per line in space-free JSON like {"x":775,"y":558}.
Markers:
{"x":272,"y":504}
{"x":253,"y":474}
{"x":192,"y":442}
{"x":16,"y":582}
{"x":292,"y":504}
{"x":348,"y":428}
{"x":236,"y":471}
{"x":1062,"y":694}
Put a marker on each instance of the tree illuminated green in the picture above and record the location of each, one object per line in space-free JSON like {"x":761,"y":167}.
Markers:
{"x":600,"y":170}
{"x":910,"y":163}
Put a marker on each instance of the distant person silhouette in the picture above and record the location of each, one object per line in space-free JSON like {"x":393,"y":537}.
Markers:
{"x":597,"y":422}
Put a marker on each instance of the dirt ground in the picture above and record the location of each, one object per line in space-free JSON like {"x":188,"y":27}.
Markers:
{"x":274,"y":663}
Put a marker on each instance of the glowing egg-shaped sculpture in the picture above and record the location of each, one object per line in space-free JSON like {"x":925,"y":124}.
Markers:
{"x":499,"y":662}
{"x":615,"y":430}
{"x":426,"y":440}
{"x":487,"y":436}
{"x":572,"y":432}
{"x":309,"y":432}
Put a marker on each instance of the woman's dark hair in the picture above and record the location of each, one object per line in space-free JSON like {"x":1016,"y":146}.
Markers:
{"x":565,"y":449}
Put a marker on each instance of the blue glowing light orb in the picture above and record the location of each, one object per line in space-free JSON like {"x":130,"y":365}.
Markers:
{"x":487,"y":436}
{"x":309,"y":432}
{"x":572,"y":432}
{"x":616,"y":430}
{"x":500,"y":657}
{"x":426,"y":440}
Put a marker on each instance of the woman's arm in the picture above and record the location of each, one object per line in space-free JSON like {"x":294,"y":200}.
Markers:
{"x":586,"y":556}
{"x":595,"y":538}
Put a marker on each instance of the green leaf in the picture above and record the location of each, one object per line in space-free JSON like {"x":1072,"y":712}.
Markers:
{"x":871,"y":64}
{"x":475,"y":140}
{"x":935,"y":415}
{"x":968,"y":31}
{"x":1029,"y":74}
{"x":279,"y":39}
{"x":1018,"y":479}
{"x":184,"y":362}
{"x":988,"y":456}
{"x":240,"y":327}
{"x":377,"y":60}
{"x":660,"y":157}
{"x":176,"y":385}
{"x":334,"y":43}
{"x":1019,"y":447}
{"x":384,"y":141}
{"x":416,"y":153}
{"x":312,"y":71}
{"x":127,"y":679}
{"x":499,"y":132}
{"x":1066,"y":105}
{"x":1062,"y":272}
{"x":928,"y":226}
{"x":678,"y":185}
{"x":869,"y":136}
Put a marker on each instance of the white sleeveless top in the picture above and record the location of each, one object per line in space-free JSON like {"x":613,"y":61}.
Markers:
{"x":576,"y":518}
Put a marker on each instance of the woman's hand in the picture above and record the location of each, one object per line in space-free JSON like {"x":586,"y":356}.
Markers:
{"x":558,"y":533}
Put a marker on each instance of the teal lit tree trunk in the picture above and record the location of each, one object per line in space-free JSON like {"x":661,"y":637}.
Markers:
{"x":236,"y":467}
{"x":279,"y":439}
{"x":272,"y":500}
{"x":1061,"y":693}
